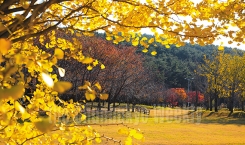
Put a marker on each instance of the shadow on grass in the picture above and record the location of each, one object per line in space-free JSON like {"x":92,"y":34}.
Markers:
{"x":224,"y":121}
{"x":223,"y":117}
{"x":210,"y":114}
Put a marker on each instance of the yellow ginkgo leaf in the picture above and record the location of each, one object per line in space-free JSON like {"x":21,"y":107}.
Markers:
{"x":167,"y":46}
{"x":89,"y":96}
{"x":47,"y":79}
{"x":83,"y":87}
{"x":98,"y":86}
{"x":58,"y":53}
{"x":144,"y":38}
{"x":54,"y":60}
{"x":108,"y":38}
{"x":123,"y":131}
{"x":1,"y":58}
{"x":95,"y":63}
{"x":132,"y":132}
{"x":44,"y":124}
{"x":135,"y":42}
{"x":104,"y":96}
{"x":87,"y":60}
{"x":128,"y":141}
{"x":98,"y":138}
{"x":153,"y":53}
{"x":5,"y":45}
{"x":138,"y":136}
{"x":83,"y":117}
{"x":2,"y":27}
{"x":18,"y":107}
{"x":151,"y":40}
{"x":102,"y":66}
{"x":62,"y":86}
{"x":221,"y":48}
{"x":14,"y":92}
{"x":87,"y":83}
{"x":24,"y":4}
{"x":61,"y":71}
{"x":89,"y":67}
{"x":145,"y":50}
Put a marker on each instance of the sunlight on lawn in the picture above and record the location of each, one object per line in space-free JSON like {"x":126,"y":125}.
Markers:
{"x":173,"y":130}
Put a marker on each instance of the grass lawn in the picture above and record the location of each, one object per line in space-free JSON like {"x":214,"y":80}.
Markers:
{"x":167,"y":126}
{"x":177,"y":126}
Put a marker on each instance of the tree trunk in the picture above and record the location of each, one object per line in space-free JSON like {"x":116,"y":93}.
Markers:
{"x":242,"y":103}
{"x":114,"y":103}
{"x":114,"y":106}
{"x":99,"y":105}
{"x":92,"y":105}
{"x":207,"y":104}
{"x":196,"y":100}
{"x":210,"y":103}
{"x":216,"y":103}
{"x":128,"y":107}
{"x":133,"y":106}
{"x":231,"y":105}
{"x":109,"y":106}
{"x":85,"y":107}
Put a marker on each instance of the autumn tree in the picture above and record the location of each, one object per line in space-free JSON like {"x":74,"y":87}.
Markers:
{"x":153,"y":93}
{"x":213,"y":71}
{"x":176,"y":96}
{"x":225,"y":77}
{"x":122,"y":73}
{"x":193,"y":94}
{"x":233,"y":76}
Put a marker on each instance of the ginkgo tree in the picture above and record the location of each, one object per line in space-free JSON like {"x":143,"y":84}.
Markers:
{"x":225,"y":75}
{"x":23,"y":21}
{"x":213,"y":70}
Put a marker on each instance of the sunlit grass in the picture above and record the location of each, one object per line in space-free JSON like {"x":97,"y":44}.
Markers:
{"x":174,"y":126}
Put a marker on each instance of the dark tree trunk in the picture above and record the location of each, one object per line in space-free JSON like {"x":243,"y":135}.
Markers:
{"x":231,"y":105}
{"x":210,"y":103}
{"x":114,"y":105}
{"x":99,"y":105}
{"x":133,"y":106}
{"x":242,"y":103}
{"x":85,"y":107}
{"x":196,"y":100}
{"x":207,"y":104}
{"x":92,"y":105}
{"x":128,"y":107}
{"x":216,"y":103}
{"x":231,"y":102}
{"x":109,"y":105}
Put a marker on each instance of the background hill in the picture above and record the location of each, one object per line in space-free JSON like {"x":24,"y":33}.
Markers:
{"x":172,"y":65}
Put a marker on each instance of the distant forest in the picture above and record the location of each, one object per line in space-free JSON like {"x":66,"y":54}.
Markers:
{"x":171,"y":66}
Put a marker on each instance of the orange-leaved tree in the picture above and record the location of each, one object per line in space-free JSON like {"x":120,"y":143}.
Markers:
{"x":176,"y":96}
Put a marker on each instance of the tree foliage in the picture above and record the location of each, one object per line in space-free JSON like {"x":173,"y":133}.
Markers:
{"x":192,"y":97}
{"x":176,"y":96}
{"x":224,"y":73}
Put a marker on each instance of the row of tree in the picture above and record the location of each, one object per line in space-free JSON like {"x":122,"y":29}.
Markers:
{"x":117,"y":68}
{"x":141,"y":78}
{"x":224,"y":79}
{"x":131,"y":78}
